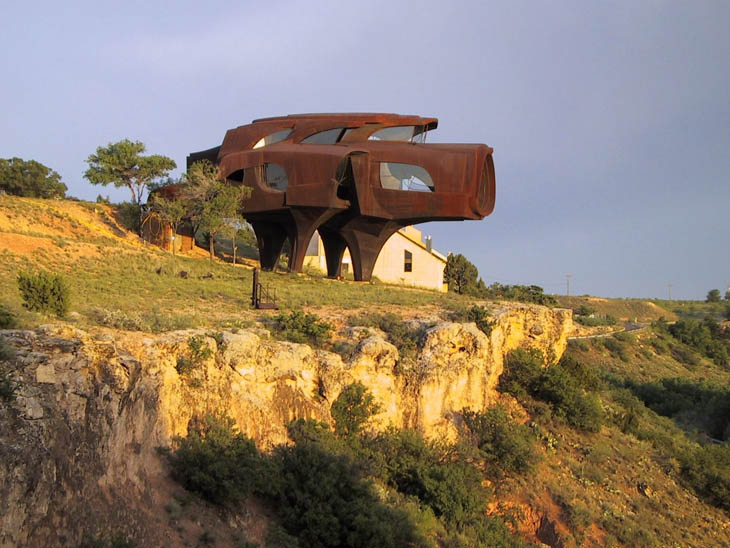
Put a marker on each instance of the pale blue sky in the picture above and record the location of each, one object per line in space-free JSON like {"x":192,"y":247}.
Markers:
{"x":610,"y":120}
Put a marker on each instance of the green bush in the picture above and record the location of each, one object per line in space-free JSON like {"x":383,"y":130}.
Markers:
{"x":130,"y":216}
{"x":302,"y":327}
{"x":322,"y":500}
{"x":216,"y":461}
{"x":402,"y":336}
{"x":352,"y":409}
{"x":707,"y":337}
{"x":442,"y":478}
{"x":477,"y":314}
{"x":44,"y":292}
{"x":198,"y":352}
{"x":707,"y":470}
{"x":7,"y":387}
{"x":507,"y":447}
{"x":6,"y":352}
{"x":616,"y":348}
{"x":705,"y":405}
{"x":7,"y":320}
{"x":594,"y":321}
{"x":565,"y":386}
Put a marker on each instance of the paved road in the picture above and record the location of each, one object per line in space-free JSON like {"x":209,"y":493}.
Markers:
{"x":628,"y":327}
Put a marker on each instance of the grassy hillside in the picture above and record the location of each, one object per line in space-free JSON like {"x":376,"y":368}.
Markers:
{"x":119,"y":281}
{"x":623,"y":444}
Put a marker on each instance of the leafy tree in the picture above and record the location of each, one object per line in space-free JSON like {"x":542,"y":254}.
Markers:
{"x":30,"y":179}
{"x":123,"y":164}
{"x":215,"y":204}
{"x":460,"y":274}
{"x":727,"y":295}
{"x":713,"y":296}
{"x":171,"y":212}
{"x":352,"y":409}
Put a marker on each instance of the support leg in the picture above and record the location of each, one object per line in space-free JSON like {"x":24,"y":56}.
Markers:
{"x":301,"y":230}
{"x":270,"y":237}
{"x":334,"y":249}
{"x":366,"y":238}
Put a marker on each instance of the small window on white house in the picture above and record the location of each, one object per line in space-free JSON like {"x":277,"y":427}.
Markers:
{"x":407,"y":261}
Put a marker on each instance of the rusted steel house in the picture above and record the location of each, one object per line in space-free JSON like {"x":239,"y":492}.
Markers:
{"x":355,"y":178}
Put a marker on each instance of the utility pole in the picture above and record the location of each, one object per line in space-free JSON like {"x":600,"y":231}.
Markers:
{"x":669,"y":290}
{"x":567,"y":283}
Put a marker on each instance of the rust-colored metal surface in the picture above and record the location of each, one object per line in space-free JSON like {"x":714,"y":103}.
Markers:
{"x":357,"y":178}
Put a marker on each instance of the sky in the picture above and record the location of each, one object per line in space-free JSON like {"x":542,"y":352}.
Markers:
{"x":610,"y":121}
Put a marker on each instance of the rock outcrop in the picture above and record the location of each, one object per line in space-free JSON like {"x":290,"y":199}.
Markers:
{"x":80,"y":442}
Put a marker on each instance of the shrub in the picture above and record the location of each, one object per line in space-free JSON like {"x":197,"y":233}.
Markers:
{"x":6,"y":352}
{"x":562,"y":385}
{"x":302,"y":327}
{"x":559,"y":388}
{"x":707,"y":470}
{"x":322,"y":500}
{"x":522,"y":367}
{"x":44,"y":292}
{"x":707,"y":338}
{"x":616,"y":348}
{"x":7,"y":387}
{"x":7,"y":320}
{"x":198,"y":352}
{"x":130,"y":215}
{"x":507,"y":447}
{"x":594,"y":321}
{"x":216,"y":461}
{"x":352,"y":409}
{"x":441,"y":478}
{"x":402,"y":336}
{"x":477,"y":314}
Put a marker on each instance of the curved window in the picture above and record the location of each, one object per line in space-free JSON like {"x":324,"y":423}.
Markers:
{"x":273,"y":138}
{"x":413,"y":134}
{"x":326,"y":137}
{"x":275,"y":177}
{"x":395,"y":176}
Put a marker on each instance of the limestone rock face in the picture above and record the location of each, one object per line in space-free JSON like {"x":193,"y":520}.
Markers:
{"x":79,"y":445}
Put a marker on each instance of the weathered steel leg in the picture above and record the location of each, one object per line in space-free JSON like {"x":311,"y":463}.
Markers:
{"x":270,"y":237}
{"x":301,"y":230}
{"x":334,"y":248}
{"x":365,"y":237}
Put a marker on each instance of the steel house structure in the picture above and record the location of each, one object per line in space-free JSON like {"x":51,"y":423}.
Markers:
{"x":356,"y":178}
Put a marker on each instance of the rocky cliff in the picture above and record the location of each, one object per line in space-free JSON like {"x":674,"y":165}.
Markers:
{"x":79,"y":445}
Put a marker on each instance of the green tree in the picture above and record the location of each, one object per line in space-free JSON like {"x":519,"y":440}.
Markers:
{"x":30,"y":179}
{"x":123,"y":164}
{"x":727,"y":295}
{"x":171,"y":212}
{"x":352,"y":409}
{"x":215,"y":204}
{"x":713,"y":296}
{"x":460,"y":274}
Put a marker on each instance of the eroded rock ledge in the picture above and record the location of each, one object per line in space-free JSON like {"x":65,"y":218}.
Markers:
{"x":79,"y":444}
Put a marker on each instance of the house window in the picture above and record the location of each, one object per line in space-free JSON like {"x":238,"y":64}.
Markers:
{"x":274,"y":177}
{"x":396,"y":176}
{"x":413,"y":134}
{"x":407,"y":261}
{"x":273,"y":138}
{"x":326,"y":137}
